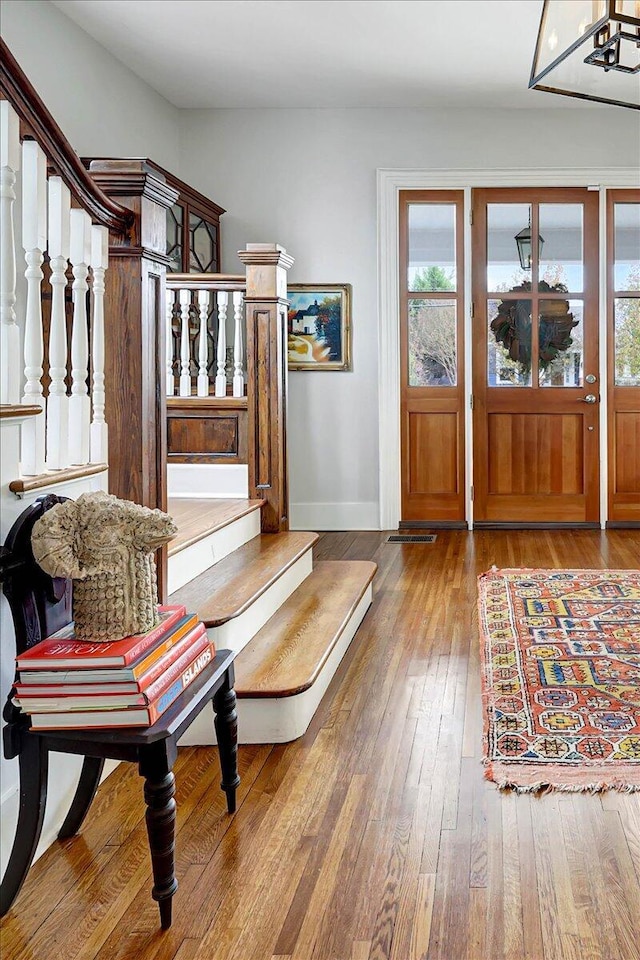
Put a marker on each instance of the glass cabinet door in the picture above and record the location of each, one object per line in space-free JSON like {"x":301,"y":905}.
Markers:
{"x":193,"y":239}
{"x":175,"y":220}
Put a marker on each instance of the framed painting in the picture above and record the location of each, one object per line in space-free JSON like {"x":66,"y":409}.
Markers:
{"x":319,"y":326}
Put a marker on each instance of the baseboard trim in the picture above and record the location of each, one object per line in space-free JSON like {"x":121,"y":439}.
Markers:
{"x":433,"y":524}
{"x":513,"y":525}
{"x":623,"y":525}
{"x":361,"y":515}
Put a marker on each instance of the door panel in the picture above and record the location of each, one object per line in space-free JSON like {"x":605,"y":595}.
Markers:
{"x":535,"y":356}
{"x":623,"y":316}
{"x":434,"y":431}
{"x":532,"y":453}
{"x":627,"y":444}
{"x":431,"y":348}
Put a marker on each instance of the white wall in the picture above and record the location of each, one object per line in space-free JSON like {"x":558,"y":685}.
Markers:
{"x":101,"y":106}
{"x":307,"y":179}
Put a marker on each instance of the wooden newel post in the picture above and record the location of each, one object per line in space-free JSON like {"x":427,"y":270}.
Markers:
{"x":134,"y":329}
{"x":266,"y":313}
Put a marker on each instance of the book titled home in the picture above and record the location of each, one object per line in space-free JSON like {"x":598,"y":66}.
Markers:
{"x":57,"y":699}
{"x":46,"y":683}
{"x":62,"y":650}
{"x":141,"y":716}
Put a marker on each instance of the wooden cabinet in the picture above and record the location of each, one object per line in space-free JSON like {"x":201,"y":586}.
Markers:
{"x":207,"y":429}
{"x":193,"y":230}
{"x":193,"y":222}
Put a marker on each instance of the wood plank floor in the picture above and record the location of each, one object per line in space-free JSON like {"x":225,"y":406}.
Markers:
{"x":375,"y":835}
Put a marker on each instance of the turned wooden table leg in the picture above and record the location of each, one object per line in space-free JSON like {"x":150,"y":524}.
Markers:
{"x":159,"y":792}
{"x":34,"y":763}
{"x":226,"y":724}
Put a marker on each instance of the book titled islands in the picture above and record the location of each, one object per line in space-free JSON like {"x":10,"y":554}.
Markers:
{"x":65,"y":684}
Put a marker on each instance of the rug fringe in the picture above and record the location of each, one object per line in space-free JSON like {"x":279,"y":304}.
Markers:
{"x":545,"y":786}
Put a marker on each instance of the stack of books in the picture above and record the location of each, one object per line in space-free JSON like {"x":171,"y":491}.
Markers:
{"x":65,"y":684}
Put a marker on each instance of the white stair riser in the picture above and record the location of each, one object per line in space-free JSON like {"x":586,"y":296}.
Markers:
{"x":236,"y":633}
{"x":281,"y":720}
{"x":204,"y":481}
{"x":185,"y":565}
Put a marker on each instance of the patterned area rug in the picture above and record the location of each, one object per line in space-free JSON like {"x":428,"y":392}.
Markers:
{"x":561,"y":678}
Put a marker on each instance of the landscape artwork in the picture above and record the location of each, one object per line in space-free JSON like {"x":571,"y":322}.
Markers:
{"x":319,"y":326}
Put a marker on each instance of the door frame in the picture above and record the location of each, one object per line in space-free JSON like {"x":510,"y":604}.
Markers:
{"x":389,"y":184}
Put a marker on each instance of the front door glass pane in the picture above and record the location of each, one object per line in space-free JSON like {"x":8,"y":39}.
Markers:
{"x":509,"y":343}
{"x":505,"y":222}
{"x":627,"y":341}
{"x":561,"y":247}
{"x":627,"y":246}
{"x":432,"y":247}
{"x":560,"y":343}
{"x":432,"y":343}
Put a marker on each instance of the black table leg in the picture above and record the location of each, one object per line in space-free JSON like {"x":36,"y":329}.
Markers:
{"x":159,"y":792}
{"x":226,"y":724}
{"x":85,"y":792}
{"x":34,"y":763}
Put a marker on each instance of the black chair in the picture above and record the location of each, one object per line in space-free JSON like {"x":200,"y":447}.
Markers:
{"x":40,"y":605}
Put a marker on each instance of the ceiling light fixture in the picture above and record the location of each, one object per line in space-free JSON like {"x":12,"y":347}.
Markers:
{"x":589,"y":49}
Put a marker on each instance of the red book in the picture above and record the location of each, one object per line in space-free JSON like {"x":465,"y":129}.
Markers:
{"x":103,"y":695}
{"x":61,"y":650}
{"x":130,"y":716}
{"x":60,"y":683}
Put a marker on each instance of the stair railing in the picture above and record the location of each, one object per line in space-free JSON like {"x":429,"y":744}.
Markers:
{"x":204,"y":313}
{"x":65,"y":222}
{"x":205,"y":335}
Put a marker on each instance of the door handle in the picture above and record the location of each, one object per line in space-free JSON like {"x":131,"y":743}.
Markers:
{"x":590,"y":398}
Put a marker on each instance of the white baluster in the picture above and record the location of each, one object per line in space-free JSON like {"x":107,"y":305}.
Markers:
{"x":185,"y":374}
{"x":10,"y":337}
{"x":238,"y":317}
{"x":221,"y":376}
{"x":99,"y":434}
{"x":79,"y":403}
{"x":203,"y":344}
{"x":34,"y":241}
{"x":58,"y":402}
{"x":170,"y":300}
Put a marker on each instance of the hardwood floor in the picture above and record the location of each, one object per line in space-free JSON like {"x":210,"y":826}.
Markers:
{"x":375,"y":835}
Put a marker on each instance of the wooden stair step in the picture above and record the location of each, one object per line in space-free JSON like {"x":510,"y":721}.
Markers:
{"x":227,"y":589}
{"x":198,"y":518}
{"x":288,"y":653}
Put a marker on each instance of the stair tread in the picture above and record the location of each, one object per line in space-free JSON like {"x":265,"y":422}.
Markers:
{"x":198,"y":518}
{"x":287,"y":654}
{"x":225,"y":590}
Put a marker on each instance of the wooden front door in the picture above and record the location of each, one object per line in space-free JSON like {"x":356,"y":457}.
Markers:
{"x":431,"y":351}
{"x":536,"y":389}
{"x":623,"y":324}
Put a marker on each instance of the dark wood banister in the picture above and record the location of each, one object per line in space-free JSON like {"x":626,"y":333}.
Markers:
{"x":21,"y":94}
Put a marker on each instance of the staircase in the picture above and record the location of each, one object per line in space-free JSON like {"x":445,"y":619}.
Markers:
{"x":289,"y":620}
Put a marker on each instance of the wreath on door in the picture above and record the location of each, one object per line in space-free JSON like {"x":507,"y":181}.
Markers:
{"x":512,"y":326}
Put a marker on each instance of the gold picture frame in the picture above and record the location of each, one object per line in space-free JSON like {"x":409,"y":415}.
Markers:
{"x":319,"y":326}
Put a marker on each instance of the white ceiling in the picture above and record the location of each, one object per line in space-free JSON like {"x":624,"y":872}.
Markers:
{"x":324,"y":53}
